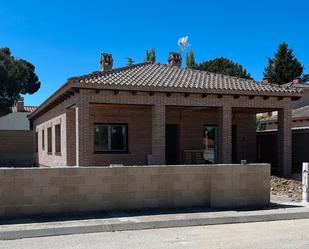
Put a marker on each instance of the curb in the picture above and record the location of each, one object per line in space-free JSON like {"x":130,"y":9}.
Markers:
{"x":101,"y":226}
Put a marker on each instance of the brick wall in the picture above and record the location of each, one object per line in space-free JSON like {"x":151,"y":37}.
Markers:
{"x":53,"y":158}
{"x":190,"y":121}
{"x":138,"y":119}
{"x":86,"y":97}
{"x":267,"y":149}
{"x":273,"y":125}
{"x":245,"y":125}
{"x":54,"y":190}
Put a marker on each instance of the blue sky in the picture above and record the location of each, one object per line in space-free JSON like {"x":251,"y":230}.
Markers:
{"x":65,"y":38}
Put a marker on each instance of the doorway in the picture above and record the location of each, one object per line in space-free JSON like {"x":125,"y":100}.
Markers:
{"x":171,"y":143}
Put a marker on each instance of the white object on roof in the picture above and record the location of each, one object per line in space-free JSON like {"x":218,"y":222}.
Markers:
{"x":183,"y":43}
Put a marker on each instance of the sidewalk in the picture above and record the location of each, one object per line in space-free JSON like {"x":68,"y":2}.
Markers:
{"x":136,"y":220}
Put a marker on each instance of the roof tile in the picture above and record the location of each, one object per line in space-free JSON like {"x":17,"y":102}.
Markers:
{"x":164,"y":77}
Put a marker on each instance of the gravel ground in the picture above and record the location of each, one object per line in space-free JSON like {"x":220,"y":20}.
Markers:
{"x":286,"y":187}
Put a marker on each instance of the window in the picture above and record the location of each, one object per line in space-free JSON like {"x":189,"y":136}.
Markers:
{"x":57,"y":138}
{"x":210,"y":143}
{"x":43,"y":139}
{"x":49,"y":140}
{"x":36,"y":142}
{"x":110,"y":138}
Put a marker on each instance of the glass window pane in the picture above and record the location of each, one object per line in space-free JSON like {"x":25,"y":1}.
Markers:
{"x":58,"y":138}
{"x":36,"y":141}
{"x":49,"y":139}
{"x":101,"y":137}
{"x":118,"y":138}
{"x":43,"y":139}
{"x":210,"y":143}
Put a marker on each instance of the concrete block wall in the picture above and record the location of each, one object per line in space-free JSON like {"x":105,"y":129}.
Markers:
{"x":16,"y":141}
{"x":16,"y":148}
{"x":68,"y":189}
{"x":240,"y":186}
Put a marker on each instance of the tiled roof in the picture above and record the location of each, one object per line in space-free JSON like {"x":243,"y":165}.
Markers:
{"x":30,"y":108}
{"x":302,"y":112}
{"x":296,"y":85}
{"x":26,"y":108}
{"x":158,"y":77}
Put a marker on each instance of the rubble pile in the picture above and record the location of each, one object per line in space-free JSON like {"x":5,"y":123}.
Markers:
{"x":286,"y":187}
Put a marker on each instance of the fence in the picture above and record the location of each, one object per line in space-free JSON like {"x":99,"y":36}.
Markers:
{"x":54,"y":190}
{"x":16,"y":148}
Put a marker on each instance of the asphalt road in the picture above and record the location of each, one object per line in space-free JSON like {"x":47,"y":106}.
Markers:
{"x":262,"y":235}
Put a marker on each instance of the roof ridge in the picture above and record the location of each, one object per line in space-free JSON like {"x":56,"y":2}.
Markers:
{"x":124,"y":68}
{"x":208,"y":72}
{"x":115,"y":70}
{"x":154,"y":74}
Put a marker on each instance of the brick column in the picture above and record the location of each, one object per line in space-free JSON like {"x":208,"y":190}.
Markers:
{"x":225,"y":135}
{"x":158,"y":133}
{"x":285,"y":141}
{"x":83,"y":153}
{"x":71,"y":136}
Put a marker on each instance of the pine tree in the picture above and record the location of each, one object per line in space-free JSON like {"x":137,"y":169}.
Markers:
{"x":284,"y":67}
{"x":190,"y":60}
{"x":17,"y":76}
{"x":150,"y":55}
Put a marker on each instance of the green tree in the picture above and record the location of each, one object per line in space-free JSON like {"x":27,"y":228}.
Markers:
{"x":224,"y":66}
{"x":284,"y":67}
{"x":17,"y":76}
{"x":259,"y":125}
{"x":190,"y":59}
{"x":150,"y":55}
{"x":130,"y":61}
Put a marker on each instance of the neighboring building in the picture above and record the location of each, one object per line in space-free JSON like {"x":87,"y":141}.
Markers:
{"x":300,"y":119}
{"x":304,"y":100}
{"x":267,"y":139}
{"x":17,"y":119}
{"x":296,"y":84}
{"x":152,"y":113}
{"x":16,"y":147}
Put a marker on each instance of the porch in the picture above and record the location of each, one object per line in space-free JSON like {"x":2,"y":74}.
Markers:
{"x":135,"y":134}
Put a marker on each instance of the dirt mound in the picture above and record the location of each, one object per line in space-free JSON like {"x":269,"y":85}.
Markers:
{"x":286,"y":187}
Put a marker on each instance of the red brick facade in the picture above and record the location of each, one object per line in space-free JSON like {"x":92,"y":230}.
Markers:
{"x":146,"y":114}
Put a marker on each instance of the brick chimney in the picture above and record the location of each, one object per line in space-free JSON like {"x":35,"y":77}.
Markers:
{"x":20,"y":105}
{"x":297,"y":80}
{"x":267,"y":80}
{"x":174,"y":59}
{"x":106,"y":62}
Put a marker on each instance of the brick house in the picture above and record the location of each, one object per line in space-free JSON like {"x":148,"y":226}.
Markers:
{"x":151,"y":113}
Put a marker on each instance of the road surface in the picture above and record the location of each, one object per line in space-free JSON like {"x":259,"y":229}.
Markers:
{"x":277,"y":234}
